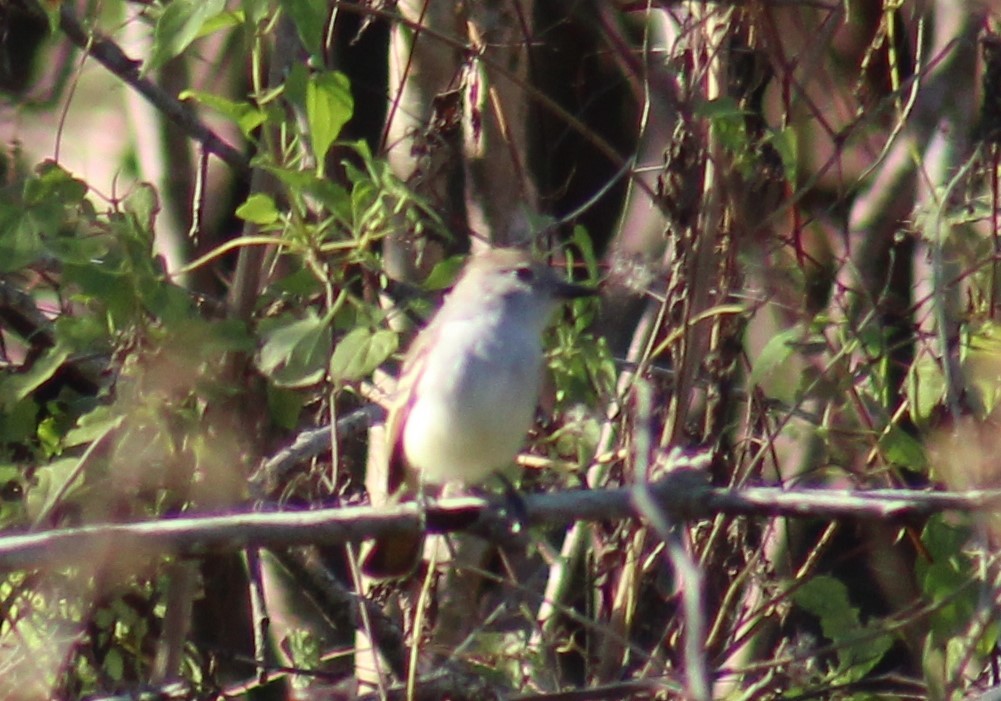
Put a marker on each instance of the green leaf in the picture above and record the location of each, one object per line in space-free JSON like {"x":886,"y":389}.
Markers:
{"x":784,"y":141}
{"x":82,"y":334}
{"x":444,"y":273}
{"x":944,"y":539}
{"x":827,"y":599}
{"x":255,"y":10}
{"x":228,"y":336}
{"x":925,"y":388}
{"x":92,"y":426}
{"x":20,"y":240}
{"x":956,"y":602}
{"x":301,"y":283}
{"x":178,"y":26}
{"x":294,"y":86}
{"x":333,"y":196}
{"x":50,"y":481}
{"x":50,"y":198}
{"x":111,"y":288}
{"x":143,"y":204}
{"x":245,"y":115}
{"x":949,"y":578}
{"x":727,"y":120}
{"x":16,"y":387}
{"x":53,"y":184}
{"x":48,"y":435}
{"x":284,"y":406}
{"x":361,"y":352}
{"x":114,"y":665}
{"x":259,"y":209}
{"x":81,"y":250}
{"x":860,"y":648}
{"x":295,"y":351}
{"x":720,"y":108}
{"x":585,"y":244}
{"x":774,"y":355}
{"x":328,"y":108}
{"x":771,"y":367}
{"x":17,"y":421}
{"x":900,"y":448}
{"x":224,"y":20}
{"x":167,"y":302}
{"x":981,"y":362}
{"x":310,"y":19}
{"x":13,"y":484}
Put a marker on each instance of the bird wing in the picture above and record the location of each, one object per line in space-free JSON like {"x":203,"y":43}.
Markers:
{"x":398,"y":473}
{"x":388,"y":558}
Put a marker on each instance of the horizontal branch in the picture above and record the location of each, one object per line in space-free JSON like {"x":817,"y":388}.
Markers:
{"x":683,"y":494}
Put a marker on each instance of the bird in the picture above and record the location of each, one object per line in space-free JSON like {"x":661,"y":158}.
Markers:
{"x":468,"y":387}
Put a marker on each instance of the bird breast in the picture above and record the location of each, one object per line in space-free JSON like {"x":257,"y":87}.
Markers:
{"x":474,"y":403}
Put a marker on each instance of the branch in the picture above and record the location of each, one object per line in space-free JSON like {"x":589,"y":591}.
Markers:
{"x":683,"y":494}
{"x":307,"y":445}
{"x":111,"y":56}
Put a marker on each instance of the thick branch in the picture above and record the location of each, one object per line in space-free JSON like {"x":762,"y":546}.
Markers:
{"x":682,"y":494}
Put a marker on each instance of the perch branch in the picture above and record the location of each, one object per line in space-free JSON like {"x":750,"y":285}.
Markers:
{"x":683,"y":495}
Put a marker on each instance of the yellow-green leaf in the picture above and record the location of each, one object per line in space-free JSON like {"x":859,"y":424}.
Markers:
{"x":259,"y":209}
{"x":328,"y":108}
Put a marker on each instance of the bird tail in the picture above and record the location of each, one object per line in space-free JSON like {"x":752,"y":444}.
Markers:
{"x":392,"y":557}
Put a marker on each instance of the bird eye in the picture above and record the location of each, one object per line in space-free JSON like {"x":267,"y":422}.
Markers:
{"x":525,"y":274}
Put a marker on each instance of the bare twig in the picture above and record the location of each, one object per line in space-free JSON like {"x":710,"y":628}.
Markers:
{"x":259,"y":609}
{"x":167,"y":665}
